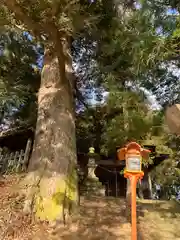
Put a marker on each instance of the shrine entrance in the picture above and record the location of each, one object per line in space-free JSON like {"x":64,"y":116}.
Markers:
{"x":103,"y":177}
{"x":112,"y":179}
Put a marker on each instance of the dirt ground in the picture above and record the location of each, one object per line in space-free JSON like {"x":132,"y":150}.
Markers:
{"x":98,"y":219}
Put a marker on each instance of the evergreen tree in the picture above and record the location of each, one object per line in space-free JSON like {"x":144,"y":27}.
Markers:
{"x":20,"y":78}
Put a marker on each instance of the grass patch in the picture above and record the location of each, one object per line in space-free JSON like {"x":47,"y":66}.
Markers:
{"x":159,"y":219}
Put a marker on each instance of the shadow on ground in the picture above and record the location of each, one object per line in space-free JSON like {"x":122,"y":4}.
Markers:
{"x":100,"y":219}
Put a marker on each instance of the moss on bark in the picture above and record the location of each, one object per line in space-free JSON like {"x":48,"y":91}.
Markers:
{"x":51,"y":198}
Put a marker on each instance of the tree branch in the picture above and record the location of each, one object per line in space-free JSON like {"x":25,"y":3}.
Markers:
{"x":13,"y":6}
{"x":113,"y":113}
{"x":38,"y":29}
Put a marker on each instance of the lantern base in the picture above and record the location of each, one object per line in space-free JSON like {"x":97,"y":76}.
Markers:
{"x":138,"y":175}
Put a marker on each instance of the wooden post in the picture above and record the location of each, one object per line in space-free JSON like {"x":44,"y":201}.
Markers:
{"x":5,"y":163}
{"x":11,"y":161}
{"x":116,"y":182}
{"x":27,"y":153}
{"x":20,"y":162}
{"x":150,"y":186}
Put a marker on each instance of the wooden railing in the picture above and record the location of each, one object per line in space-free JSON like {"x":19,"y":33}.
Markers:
{"x":14,"y":162}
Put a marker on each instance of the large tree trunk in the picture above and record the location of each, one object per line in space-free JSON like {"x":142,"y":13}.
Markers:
{"x":52,"y":180}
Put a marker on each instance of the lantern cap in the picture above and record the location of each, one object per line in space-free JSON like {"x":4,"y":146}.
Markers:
{"x":133,"y":146}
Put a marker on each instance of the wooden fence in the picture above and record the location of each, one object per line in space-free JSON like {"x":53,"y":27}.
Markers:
{"x":14,"y":162}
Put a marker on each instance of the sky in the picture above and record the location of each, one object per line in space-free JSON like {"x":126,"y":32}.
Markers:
{"x":151,"y":99}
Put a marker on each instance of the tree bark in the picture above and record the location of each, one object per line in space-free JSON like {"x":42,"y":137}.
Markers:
{"x":145,"y":187}
{"x":52,"y":180}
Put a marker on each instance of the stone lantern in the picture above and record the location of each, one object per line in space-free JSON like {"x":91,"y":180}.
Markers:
{"x":94,"y":186}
